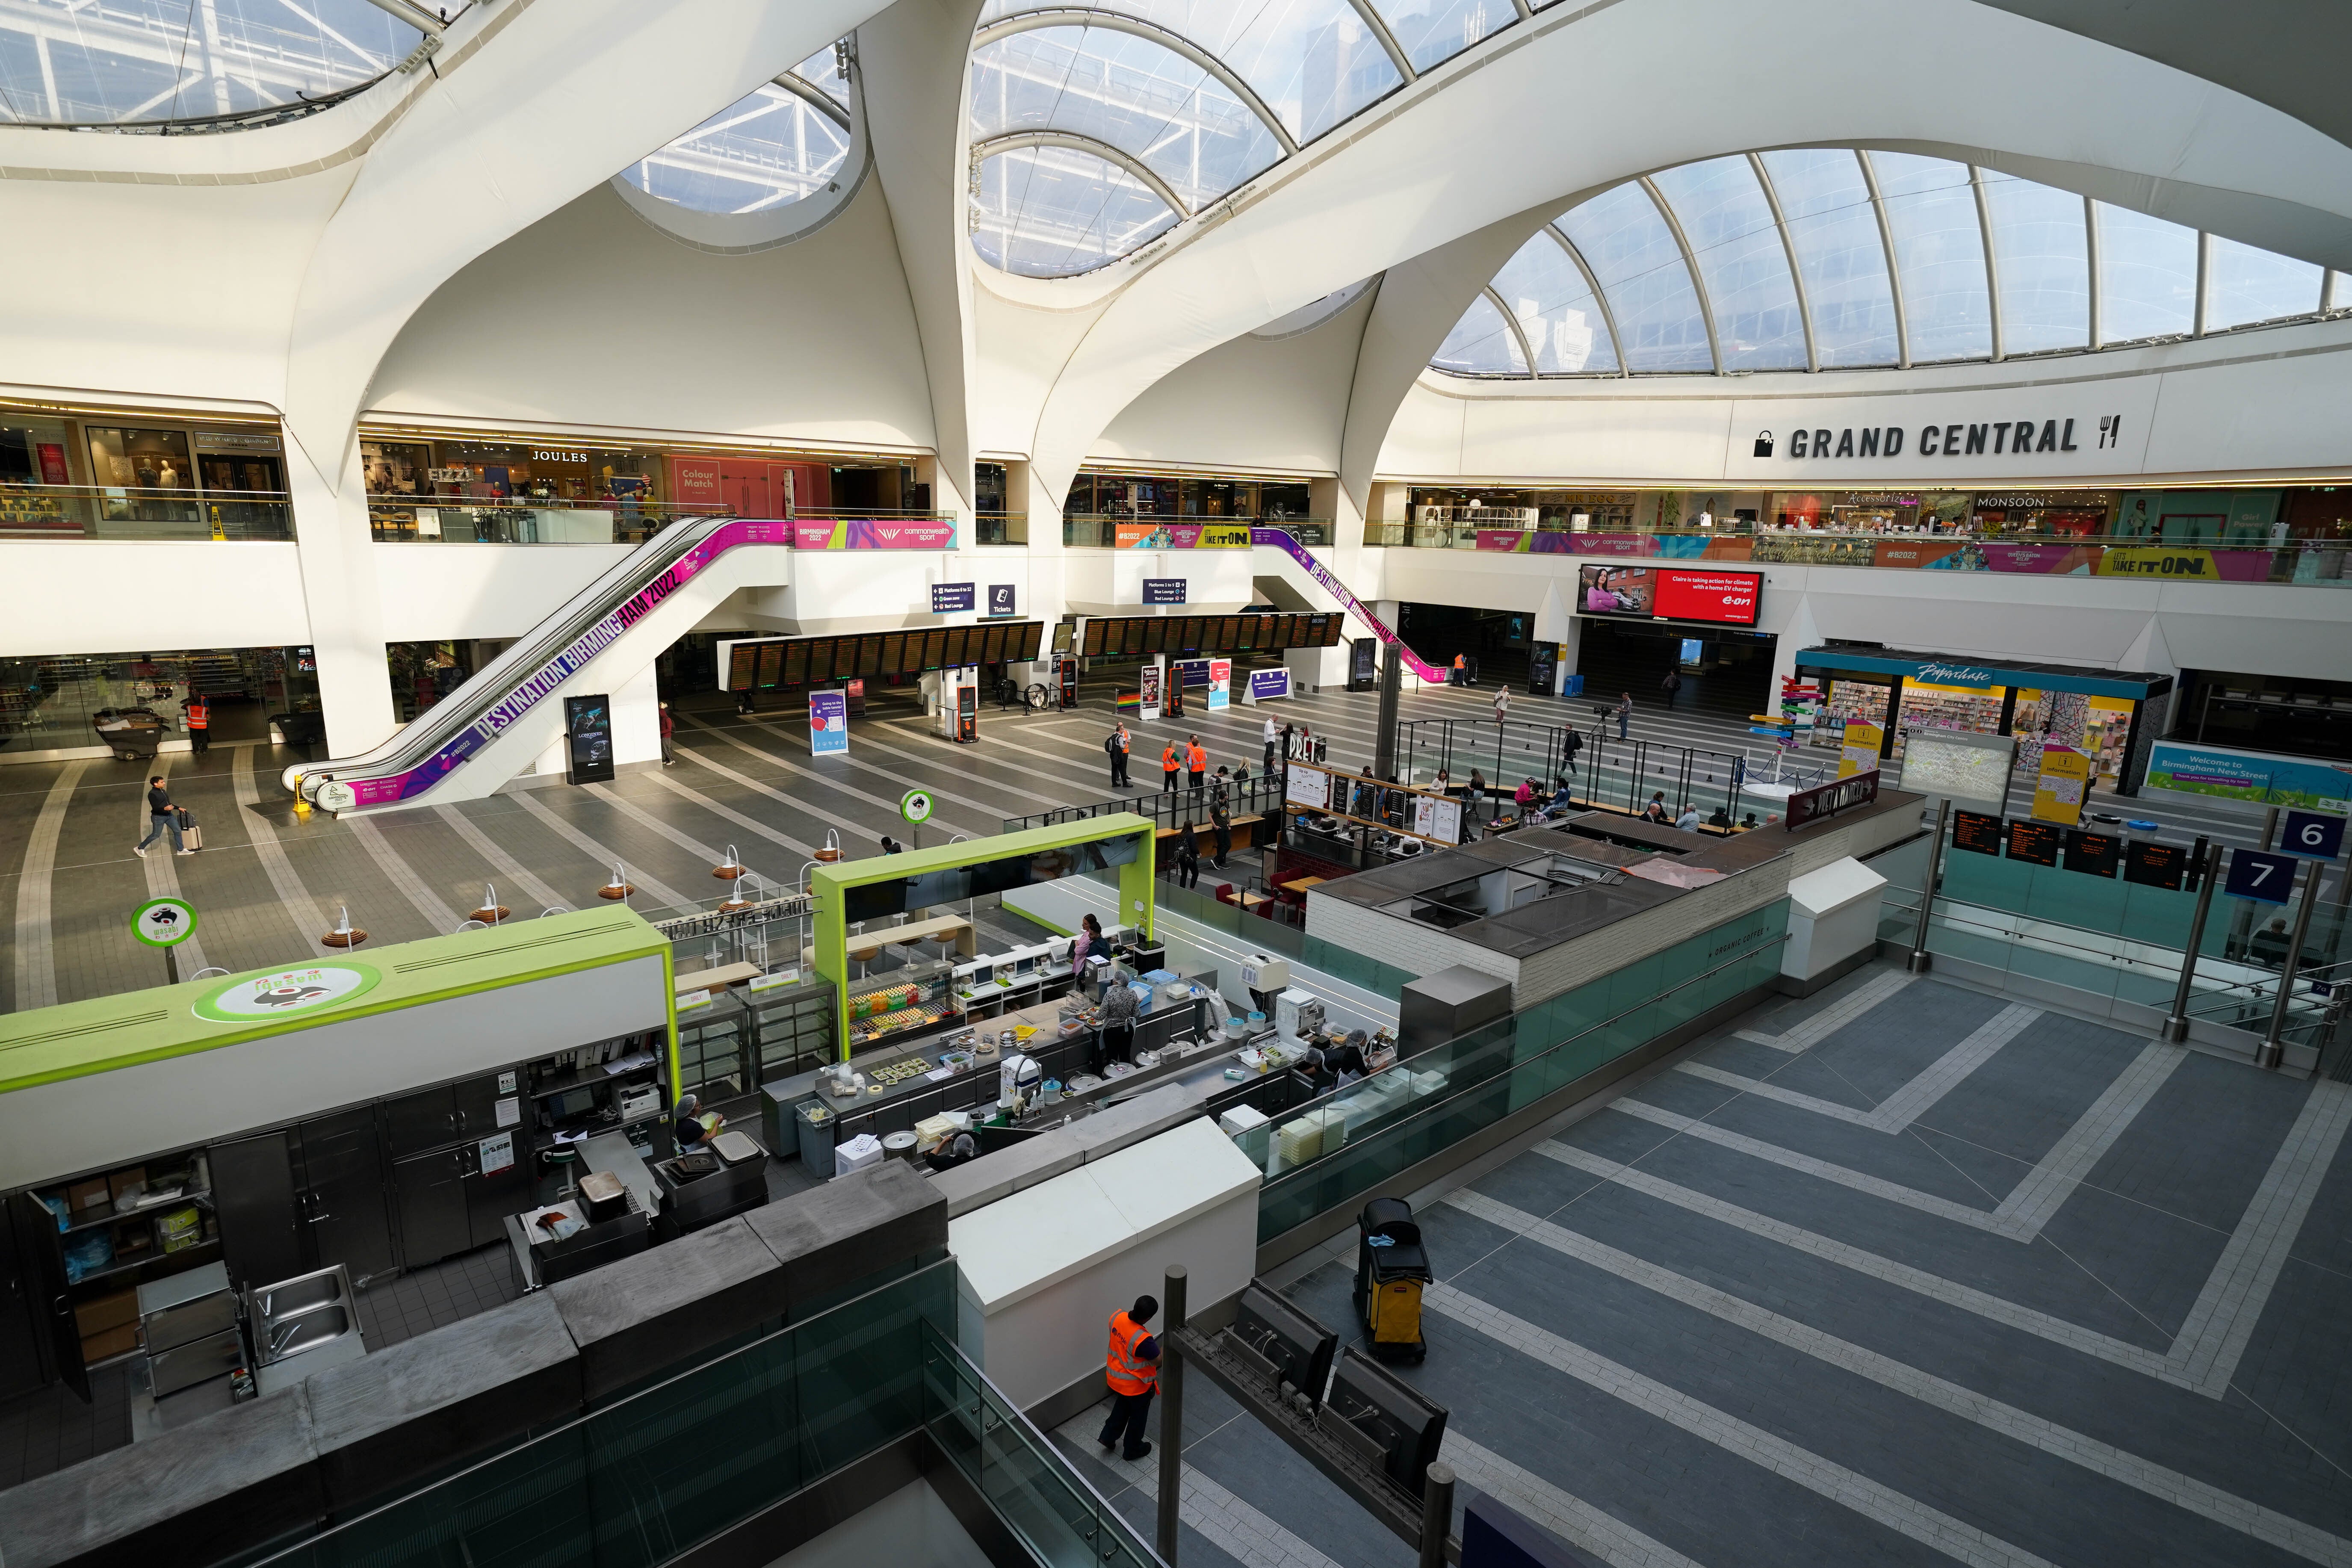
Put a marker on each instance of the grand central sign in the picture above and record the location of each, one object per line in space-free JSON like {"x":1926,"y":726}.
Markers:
{"x":2000,"y":434}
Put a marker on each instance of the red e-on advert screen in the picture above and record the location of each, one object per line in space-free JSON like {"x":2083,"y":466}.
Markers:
{"x":1726,"y":598}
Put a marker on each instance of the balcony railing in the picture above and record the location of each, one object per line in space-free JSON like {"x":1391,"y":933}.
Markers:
{"x":117,"y":512}
{"x":529,"y":520}
{"x":1087,"y":530}
{"x":2321,"y":562}
{"x":1000,"y":528}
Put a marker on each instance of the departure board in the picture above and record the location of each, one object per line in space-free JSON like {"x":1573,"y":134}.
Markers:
{"x":1326,"y":630}
{"x":894,"y":653}
{"x":869,"y":656}
{"x":1062,"y":630}
{"x":1976,"y":832}
{"x":935,"y":647}
{"x":958,"y":649}
{"x":820,"y":660}
{"x":2156,"y":865}
{"x":1096,"y":627}
{"x":771,"y":665}
{"x":1155,"y":634}
{"x":1024,"y":640}
{"x":2093,"y":854}
{"x":1192,"y":634}
{"x":991,"y":649}
{"x":2034,"y":841}
{"x":795,"y":670}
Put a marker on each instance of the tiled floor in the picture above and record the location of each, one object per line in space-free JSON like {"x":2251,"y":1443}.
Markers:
{"x":436,"y":1294}
{"x":1934,"y":1279}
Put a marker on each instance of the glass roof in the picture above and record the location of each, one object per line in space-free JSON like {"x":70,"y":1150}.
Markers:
{"x":783,"y":142}
{"x":1982,"y":263}
{"x":149,"y":62}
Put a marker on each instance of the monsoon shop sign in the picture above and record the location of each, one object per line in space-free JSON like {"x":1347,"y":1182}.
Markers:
{"x":2260,"y":778}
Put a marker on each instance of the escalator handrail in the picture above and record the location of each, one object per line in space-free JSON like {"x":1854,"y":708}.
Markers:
{"x":501,"y":677}
{"x":1282,"y":538}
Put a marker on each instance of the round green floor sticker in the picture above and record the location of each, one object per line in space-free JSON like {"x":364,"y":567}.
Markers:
{"x":304,"y":989}
{"x":915,"y":806}
{"x":163,"y":923}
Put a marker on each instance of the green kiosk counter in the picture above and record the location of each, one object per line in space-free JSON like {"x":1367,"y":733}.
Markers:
{"x":377,"y":1111}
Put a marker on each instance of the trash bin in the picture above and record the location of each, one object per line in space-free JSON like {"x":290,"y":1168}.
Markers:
{"x":1391,"y":1269}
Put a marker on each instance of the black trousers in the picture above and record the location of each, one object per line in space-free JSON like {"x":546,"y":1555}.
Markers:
{"x":1269,"y":756}
{"x":1167,"y":781}
{"x":1118,"y":769}
{"x":1188,"y":871}
{"x":1225,"y":844}
{"x":200,"y":740}
{"x":1200,"y":781}
{"x":1128,"y":1413}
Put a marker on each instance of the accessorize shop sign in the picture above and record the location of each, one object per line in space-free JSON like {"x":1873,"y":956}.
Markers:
{"x":2023,"y":433}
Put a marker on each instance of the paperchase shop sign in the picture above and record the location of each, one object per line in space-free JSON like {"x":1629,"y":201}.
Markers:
{"x":2018,"y":432}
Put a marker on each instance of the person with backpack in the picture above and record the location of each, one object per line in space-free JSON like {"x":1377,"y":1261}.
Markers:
{"x":1118,"y":745}
{"x":1188,"y":859}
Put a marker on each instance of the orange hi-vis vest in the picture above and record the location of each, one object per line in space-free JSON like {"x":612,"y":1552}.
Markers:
{"x":1168,"y":759}
{"x":1199,"y":759}
{"x":1125,"y":1372}
{"x":199,"y":714}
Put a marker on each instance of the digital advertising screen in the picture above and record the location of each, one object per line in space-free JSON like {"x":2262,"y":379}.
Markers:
{"x":1976,"y":832}
{"x":2036,"y":842}
{"x":1669,"y":594}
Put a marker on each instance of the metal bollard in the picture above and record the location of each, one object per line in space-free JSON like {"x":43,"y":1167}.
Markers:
{"x":1171,"y":1414}
{"x":1436,"y":1514}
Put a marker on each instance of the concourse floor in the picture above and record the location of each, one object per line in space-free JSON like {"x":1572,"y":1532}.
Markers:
{"x":1902,"y":1273}
{"x":267,"y":884}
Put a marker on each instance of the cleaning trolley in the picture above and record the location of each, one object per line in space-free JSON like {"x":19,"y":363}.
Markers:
{"x":1391,"y":1269}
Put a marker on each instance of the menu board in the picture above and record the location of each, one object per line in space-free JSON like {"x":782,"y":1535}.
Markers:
{"x":2156,"y":865}
{"x":1096,"y":627}
{"x":2093,"y":854}
{"x":772,"y":664}
{"x":935,"y":647}
{"x":992,"y":650}
{"x":2035,"y":841}
{"x":796,"y":658}
{"x":1976,"y":833}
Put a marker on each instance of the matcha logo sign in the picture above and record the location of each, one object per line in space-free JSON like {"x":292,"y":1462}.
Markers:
{"x":286,"y":992}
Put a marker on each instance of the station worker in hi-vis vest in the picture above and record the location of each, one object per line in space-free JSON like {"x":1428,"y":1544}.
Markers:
{"x":1132,"y":1370}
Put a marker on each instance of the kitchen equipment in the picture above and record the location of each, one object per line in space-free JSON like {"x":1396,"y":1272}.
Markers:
{"x":1297,"y":1013}
{"x":1261,"y":972}
{"x":185,"y":1308}
{"x":604,"y":1196}
{"x":736,"y":1147}
{"x":898,"y":1146}
{"x":857,"y":1155}
{"x":198,"y":1361}
{"x":1237,"y":1028}
{"x":702,"y":1163}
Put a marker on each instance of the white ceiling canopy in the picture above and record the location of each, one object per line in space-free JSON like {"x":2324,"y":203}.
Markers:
{"x":1829,"y":258}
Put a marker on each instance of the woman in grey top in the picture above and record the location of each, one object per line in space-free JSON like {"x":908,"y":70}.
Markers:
{"x":1117,"y":1040}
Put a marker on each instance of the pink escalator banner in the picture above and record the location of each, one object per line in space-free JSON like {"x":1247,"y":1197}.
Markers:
{"x":575,"y":655}
{"x":1280,"y":539}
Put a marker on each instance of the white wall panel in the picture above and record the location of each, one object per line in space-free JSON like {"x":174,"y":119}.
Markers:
{"x":96,"y":596}
{"x":592,"y":316}
{"x":432,"y":592}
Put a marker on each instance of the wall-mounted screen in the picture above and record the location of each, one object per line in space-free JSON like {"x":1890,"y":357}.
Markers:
{"x":1229,"y":634}
{"x":795,"y":670}
{"x":1669,"y":594}
{"x":993,"y":645}
{"x":1096,"y":629}
{"x":1062,"y":632}
{"x":869,"y":656}
{"x":935,"y":648}
{"x":772,"y":664}
{"x":894,"y":653}
{"x":953,"y":657}
{"x":1024,"y":640}
{"x":1155,"y":635}
{"x":742,"y":667}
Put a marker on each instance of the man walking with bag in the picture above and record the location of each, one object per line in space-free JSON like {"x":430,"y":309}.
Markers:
{"x":162,"y":817}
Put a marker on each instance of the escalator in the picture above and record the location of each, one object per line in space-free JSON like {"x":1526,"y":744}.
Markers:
{"x":492,"y":727}
{"x":1324,"y":578}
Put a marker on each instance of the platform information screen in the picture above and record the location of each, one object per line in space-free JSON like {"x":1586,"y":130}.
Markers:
{"x":1669,"y":594}
{"x":2034,"y":841}
{"x":2156,"y":865}
{"x":1976,"y":832}
{"x":2094,"y":853}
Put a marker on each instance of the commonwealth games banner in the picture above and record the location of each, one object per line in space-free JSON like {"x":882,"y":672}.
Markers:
{"x":1155,"y":535}
{"x":874,"y":533}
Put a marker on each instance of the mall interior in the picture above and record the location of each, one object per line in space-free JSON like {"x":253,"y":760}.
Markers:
{"x":1334,"y":784}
